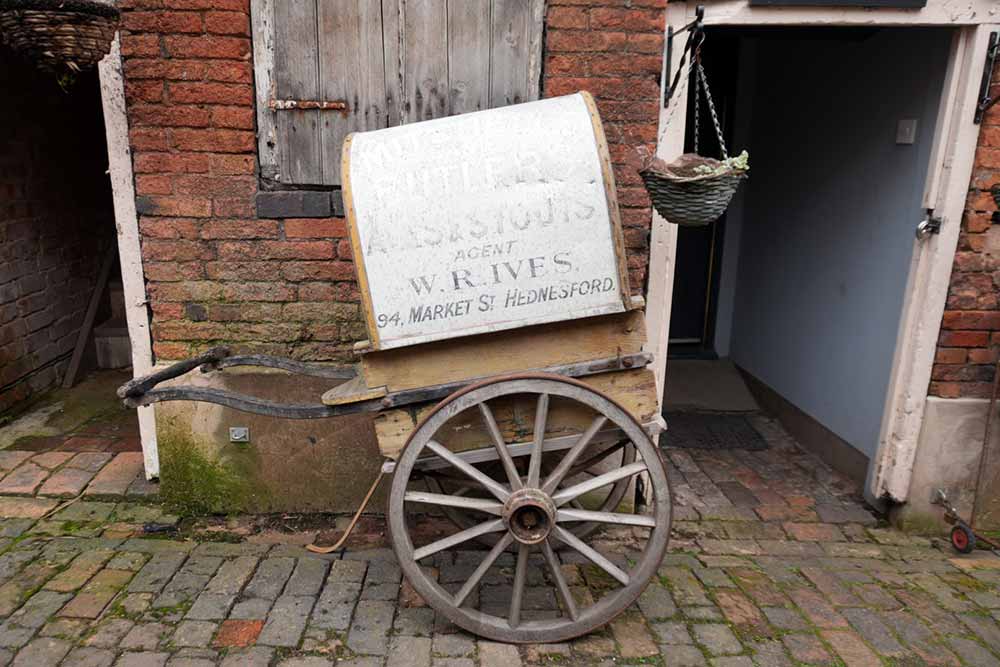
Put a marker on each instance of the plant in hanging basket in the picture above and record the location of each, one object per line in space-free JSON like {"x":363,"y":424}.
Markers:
{"x":693,"y":190}
{"x":59,"y":35}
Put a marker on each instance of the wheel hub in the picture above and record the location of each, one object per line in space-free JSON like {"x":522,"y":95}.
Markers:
{"x":529,"y":515}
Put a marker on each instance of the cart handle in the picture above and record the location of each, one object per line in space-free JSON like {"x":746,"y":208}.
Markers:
{"x":139,"y":386}
{"x":219,"y":358}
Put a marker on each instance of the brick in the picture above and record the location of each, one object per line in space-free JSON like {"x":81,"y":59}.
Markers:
{"x":23,"y":480}
{"x":370,"y":627}
{"x":807,"y":648}
{"x":813,"y":532}
{"x":115,"y":478}
{"x":156,"y":573}
{"x":27,"y":508}
{"x":236,"y":633}
{"x":567,"y":17}
{"x":234,"y":117}
{"x":173,"y":207}
{"x":66,"y":483}
{"x":739,"y":610}
{"x":163,"y":21}
{"x":80,"y":571}
{"x":95,"y":596}
{"x":196,"y":634}
{"x":629,"y":20}
{"x":207,"y":47}
{"x":240,"y":229}
{"x":10,"y":458}
{"x":51,"y":460}
{"x":227,"y":23}
{"x":717,"y":639}
{"x":42,"y":651}
{"x":817,"y":609}
{"x":213,"y":140}
{"x":851,"y":649}
{"x":171,"y":163}
{"x":298,"y":204}
{"x":315,"y":228}
{"x":287,"y":621}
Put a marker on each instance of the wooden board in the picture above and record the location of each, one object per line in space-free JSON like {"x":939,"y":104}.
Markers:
{"x":484,"y":222}
{"x":469,"y":56}
{"x":296,"y":76}
{"x":353,"y":391}
{"x":635,"y":390}
{"x":391,"y":61}
{"x":518,"y":350}
{"x":351,"y":68}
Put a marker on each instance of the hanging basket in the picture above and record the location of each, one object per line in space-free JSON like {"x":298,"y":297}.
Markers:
{"x":59,"y":34}
{"x":683,"y":194}
{"x":694,"y":190}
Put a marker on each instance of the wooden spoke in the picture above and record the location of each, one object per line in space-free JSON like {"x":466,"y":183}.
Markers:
{"x":552,"y":482}
{"x":606,"y":517}
{"x":561,"y":586}
{"x":541,"y":419}
{"x":458,"y":538}
{"x":493,"y":486}
{"x":578,"y":490}
{"x":592,"y":555}
{"x":478,"y":504}
{"x":501,"y":446}
{"x":517,"y":593}
{"x":477,"y":575}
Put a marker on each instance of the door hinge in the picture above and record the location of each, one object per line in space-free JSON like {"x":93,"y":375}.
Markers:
{"x":930,"y":225}
{"x":985,"y":101}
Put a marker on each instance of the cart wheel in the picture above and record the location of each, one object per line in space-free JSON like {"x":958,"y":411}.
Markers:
{"x":533,"y":512}
{"x":963,"y":539}
{"x":618,"y":454}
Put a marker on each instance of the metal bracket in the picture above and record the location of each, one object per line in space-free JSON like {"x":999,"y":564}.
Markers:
{"x":696,"y":26}
{"x":930,"y":225}
{"x":985,"y":101}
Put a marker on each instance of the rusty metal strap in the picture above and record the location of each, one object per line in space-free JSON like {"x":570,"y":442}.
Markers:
{"x":322,"y":105}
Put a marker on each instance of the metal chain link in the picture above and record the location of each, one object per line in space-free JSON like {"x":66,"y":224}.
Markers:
{"x":711,"y":109}
{"x":697,"y":109}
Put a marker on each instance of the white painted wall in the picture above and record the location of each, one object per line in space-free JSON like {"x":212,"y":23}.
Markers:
{"x":830,"y":210}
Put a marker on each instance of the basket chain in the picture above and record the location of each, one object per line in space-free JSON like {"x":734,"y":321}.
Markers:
{"x":701,"y":83}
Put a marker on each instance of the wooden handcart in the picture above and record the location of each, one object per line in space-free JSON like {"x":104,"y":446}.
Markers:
{"x":514,"y":404}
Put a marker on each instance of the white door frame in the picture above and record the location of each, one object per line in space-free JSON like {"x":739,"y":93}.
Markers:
{"x":129,"y":252}
{"x":947,"y":184}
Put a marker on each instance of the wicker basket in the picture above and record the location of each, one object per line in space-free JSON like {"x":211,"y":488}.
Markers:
{"x":683,"y":196}
{"x":59,"y":34}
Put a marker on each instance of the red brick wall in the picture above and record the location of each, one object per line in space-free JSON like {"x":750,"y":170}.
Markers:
{"x":614,"y":49}
{"x":215,"y":273}
{"x":970,"y":329}
{"x":55,"y":221}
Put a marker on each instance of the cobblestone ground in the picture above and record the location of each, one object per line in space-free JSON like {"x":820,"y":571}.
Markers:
{"x":774,"y":563}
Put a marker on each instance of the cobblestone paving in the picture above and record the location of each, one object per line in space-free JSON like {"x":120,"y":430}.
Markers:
{"x":774,"y":564}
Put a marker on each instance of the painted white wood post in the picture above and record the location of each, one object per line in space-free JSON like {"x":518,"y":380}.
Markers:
{"x":129,"y":253}
{"x":663,"y":235}
{"x":927,"y":289}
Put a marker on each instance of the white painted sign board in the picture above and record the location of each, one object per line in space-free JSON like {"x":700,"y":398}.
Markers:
{"x":484,"y":221}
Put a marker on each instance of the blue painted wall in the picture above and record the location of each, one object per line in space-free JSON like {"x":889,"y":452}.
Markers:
{"x":828,"y":220}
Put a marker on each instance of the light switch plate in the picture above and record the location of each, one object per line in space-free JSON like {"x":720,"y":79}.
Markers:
{"x":906,"y":131}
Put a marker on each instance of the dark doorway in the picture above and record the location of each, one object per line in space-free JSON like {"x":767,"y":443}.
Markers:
{"x":699,"y":249}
